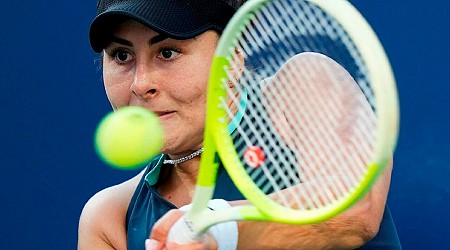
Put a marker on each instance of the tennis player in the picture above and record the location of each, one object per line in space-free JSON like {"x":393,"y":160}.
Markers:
{"x":157,"y":54}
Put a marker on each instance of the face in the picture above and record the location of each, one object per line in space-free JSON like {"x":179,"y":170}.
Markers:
{"x":166,"y":76}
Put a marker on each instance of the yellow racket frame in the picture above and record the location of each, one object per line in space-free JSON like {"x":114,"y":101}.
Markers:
{"x":217,"y":138}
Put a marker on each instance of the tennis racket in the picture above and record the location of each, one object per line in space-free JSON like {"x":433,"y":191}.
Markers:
{"x":302,"y":112}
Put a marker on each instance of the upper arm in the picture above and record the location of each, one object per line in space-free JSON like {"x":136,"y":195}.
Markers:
{"x":367,"y":214}
{"x":102,"y":221}
{"x":374,"y":203}
{"x":349,"y":230}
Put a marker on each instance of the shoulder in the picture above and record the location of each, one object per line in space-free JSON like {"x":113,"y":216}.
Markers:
{"x":102,"y":221}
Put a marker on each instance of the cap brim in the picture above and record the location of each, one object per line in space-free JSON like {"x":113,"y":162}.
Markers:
{"x":178,"y":22}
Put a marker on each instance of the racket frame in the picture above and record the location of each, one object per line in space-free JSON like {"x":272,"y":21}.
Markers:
{"x":380,"y":74}
{"x":218,"y":140}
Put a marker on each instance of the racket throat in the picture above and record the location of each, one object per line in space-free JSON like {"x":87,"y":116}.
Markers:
{"x":202,"y":216}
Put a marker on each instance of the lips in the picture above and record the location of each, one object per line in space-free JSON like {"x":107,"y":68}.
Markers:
{"x":164,"y":114}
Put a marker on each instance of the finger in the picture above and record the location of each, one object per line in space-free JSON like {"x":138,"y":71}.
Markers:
{"x":162,"y":226}
{"x":151,"y":244}
{"x":206,"y":242}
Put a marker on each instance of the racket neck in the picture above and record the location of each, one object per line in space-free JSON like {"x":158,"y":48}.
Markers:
{"x":206,"y":180}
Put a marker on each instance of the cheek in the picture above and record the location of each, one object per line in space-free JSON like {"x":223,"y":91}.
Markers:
{"x":191,"y":82}
{"x":192,"y":95}
{"x":116,"y":87}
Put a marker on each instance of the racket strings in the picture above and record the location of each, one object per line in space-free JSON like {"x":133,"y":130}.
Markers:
{"x":288,"y":178}
{"x":271,"y":171}
{"x":327,"y":105}
{"x":323,"y":137}
{"x":335,"y":32}
{"x":270,"y":181}
{"x":333,"y":116}
{"x":322,"y":24}
{"x":315,"y":144}
{"x":328,"y":138}
{"x":256,"y":125}
{"x":295,"y":124}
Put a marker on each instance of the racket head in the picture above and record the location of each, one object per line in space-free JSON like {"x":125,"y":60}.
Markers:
{"x":313,"y":25}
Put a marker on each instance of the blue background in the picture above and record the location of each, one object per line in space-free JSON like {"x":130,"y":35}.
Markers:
{"x":52,"y":98}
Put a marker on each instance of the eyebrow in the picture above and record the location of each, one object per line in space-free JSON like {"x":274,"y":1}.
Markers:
{"x":121,"y":41}
{"x":158,"y":38}
{"x":152,"y":41}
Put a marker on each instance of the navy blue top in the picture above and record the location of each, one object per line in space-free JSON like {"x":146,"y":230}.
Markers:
{"x":147,"y":206}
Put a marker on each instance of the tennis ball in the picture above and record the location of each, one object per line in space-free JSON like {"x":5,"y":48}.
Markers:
{"x":129,"y":137}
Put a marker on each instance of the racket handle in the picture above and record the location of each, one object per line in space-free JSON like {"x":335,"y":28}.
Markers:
{"x":182,"y":232}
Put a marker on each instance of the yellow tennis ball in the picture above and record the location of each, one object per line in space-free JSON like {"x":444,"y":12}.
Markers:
{"x":129,"y":137}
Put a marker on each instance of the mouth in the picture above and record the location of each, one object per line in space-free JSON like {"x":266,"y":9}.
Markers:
{"x":164,"y":115}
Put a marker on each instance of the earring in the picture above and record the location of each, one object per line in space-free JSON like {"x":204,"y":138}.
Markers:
{"x":231,"y":83}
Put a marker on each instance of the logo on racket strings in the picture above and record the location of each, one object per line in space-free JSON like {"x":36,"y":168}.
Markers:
{"x":254,"y":156}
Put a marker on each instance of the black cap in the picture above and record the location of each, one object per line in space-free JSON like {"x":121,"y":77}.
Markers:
{"x":178,"y":19}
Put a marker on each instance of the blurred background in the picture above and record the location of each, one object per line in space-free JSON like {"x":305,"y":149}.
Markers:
{"x":52,"y":98}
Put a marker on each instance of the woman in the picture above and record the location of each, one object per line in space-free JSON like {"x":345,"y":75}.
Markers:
{"x":157,"y":54}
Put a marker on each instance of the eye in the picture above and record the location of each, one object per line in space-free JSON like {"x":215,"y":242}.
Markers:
{"x":122,"y":56}
{"x":168,"y":53}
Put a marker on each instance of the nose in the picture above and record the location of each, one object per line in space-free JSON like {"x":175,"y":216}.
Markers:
{"x":144,"y":84}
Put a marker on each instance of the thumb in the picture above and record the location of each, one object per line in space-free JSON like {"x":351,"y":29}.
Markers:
{"x":152,"y":244}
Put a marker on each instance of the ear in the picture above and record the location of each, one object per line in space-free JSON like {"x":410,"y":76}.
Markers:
{"x":237,"y":65}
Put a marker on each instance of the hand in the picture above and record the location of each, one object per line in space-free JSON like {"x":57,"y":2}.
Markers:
{"x":158,"y":236}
